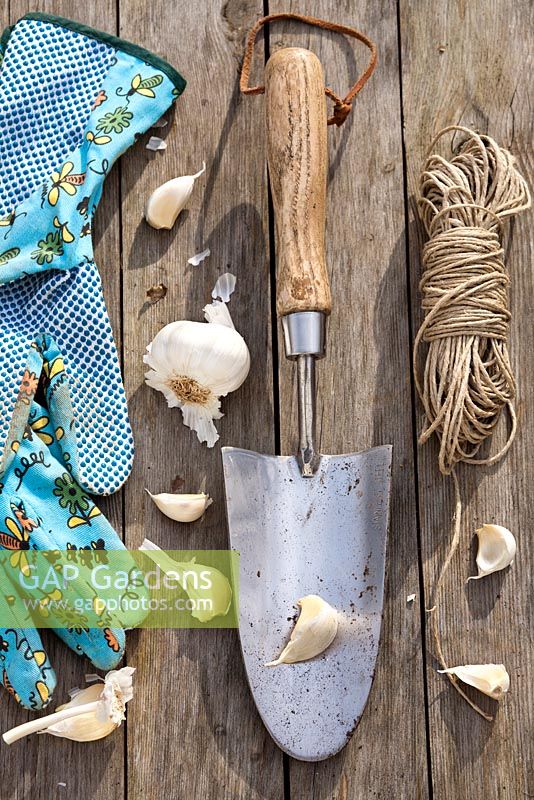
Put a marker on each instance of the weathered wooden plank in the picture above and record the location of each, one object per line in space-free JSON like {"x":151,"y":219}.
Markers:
{"x":35,"y":766}
{"x":193,"y":731}
{"x":364,"y":386}
{"x":465,"y":63}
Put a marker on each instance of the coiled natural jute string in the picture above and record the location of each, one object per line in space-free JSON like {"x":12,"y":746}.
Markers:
{"x":467,"y":379}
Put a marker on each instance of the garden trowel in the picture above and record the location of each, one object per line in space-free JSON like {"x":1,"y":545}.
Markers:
{"x":310,"y":523}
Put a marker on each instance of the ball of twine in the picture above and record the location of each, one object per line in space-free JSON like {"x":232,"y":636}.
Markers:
{"x":467,"y":379}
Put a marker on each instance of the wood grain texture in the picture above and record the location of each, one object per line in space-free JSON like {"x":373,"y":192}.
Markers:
{"x":295,"y":117}
{"x":364,"y":387}
{"x":34,"y":767}
{"x":193,"y":731}
{"x":466,"y":63}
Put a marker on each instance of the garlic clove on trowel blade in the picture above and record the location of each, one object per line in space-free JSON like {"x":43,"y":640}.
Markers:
{"x":182,"y":507}
{"x":314,"y":631}
{"x":166,"y":202}
{"x":491,"y":679}
{"x":496,"y":550}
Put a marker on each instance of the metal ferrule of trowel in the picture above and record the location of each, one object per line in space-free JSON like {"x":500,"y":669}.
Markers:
{"x":306,"y":523}
{"x":304,"y":341}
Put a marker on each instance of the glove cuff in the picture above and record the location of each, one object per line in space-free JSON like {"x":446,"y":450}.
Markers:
{"x":68,"y":113}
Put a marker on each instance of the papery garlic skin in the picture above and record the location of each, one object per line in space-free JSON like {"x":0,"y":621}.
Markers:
{"x":181,"y":507}
{"x":496,"y":550}
{"x":155,"y":143}
{"x":224,"y":287}
{"x":314,"y":631}
{"x":491,"y":679}
{"x":198,"y":258}
{"x":166,"y":202}
{"x":117,"y":691}
{"x":218,"y":312}
{"x":193,"y":364}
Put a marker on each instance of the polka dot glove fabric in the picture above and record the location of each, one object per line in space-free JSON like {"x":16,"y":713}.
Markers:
{"x":42,"y":507}
{"x":71,"y":101}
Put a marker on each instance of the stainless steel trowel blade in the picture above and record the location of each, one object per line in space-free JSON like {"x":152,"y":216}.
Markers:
{"x":323,"y":535}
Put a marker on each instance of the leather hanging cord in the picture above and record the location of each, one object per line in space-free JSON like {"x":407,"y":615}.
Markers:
{"x":342,"y":106}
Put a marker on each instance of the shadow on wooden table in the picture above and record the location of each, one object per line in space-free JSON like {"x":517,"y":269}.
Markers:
{"x":458,"y":717}
{"x":159,"y":242}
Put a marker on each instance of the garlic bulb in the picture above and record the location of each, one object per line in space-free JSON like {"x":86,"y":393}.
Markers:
{"x":491,"y":679}
{"x":211,"y":600}
{"x":496,"y":550}
{"x":182,"y":507}
{"x":166,"y":202}
{"x":314,"y":631}
{"x":92,"y":713}
{"x":194,"y":364}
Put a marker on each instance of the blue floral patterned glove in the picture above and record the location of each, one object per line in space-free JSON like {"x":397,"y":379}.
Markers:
{"x":71,"y":101}
{"x":43,"y":508}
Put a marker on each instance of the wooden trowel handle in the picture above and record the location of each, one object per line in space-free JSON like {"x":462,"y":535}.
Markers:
{"x":297,"y":156}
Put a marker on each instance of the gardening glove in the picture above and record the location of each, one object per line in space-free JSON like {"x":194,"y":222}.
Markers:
{"x":42,"y":508}
{"x":71,"y":101}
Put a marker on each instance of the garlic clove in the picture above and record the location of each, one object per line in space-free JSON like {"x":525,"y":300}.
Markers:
{"x":219,"y":594}
{"x":496,"y":550}
{"x":213,"y":600}
{"x":100,"y":707}
{"x":85,"y":727}
{"x":314,"y":631}
{"x":181,"y":507}
{"x":166,"y":202}
{"x":491,"y":679}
